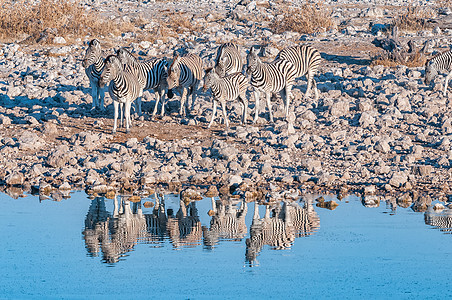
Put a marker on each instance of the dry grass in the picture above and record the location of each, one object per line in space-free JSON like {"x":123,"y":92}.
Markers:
{"x":181,"y":23}
{"x":67,"y":18}
{"x":444,"y":3}
{"x":416,"y":59}
{"x":413,"y":19}
{"x":309,"y":18}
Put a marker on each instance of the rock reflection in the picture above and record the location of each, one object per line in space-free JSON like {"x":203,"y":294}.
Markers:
{"x":227,"y":223}
{"x":280,"y":226}
{"x":441,"y":220}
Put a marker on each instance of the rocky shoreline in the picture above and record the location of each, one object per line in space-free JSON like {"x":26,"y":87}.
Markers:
{"x":375,"y":130}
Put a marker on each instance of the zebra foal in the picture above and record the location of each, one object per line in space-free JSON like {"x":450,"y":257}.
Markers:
{"x":228,"y":59}
{"x":306,"y":61}
{"x":123,"y":89}
{"x":224,"y":89}
{"x":94,"y":64}
{"x":152,"y":75}
{"x":440,"y":63}
{"x":268,"y":78}
{"x":184,"y":74}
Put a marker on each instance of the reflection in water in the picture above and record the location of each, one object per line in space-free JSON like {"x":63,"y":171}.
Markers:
{"x":185,"y":230}
{"x":442,"y":220}
{"x":228,"y":222}
{"x":280,"y":230}
{"x":115,"y":235}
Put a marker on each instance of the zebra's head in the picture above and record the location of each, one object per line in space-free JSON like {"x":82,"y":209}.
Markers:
{"x":93,"y":52}
{"x":252,"y":60}
{"x":174,"y":73}
{"x":430,"y":72}
{"x":209,"y":78}
{"x":112,"y":67}
{"x":125,"y":56}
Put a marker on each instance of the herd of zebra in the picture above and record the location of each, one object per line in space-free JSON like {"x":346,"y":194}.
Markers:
{"x":116,"y":234}
{"x":129,"y":77}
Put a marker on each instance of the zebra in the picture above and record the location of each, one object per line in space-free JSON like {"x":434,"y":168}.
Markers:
{"x":228,"y":222}
{"x":440,"y":63}
{"x":114,"y":234}
{"x":123,"y":89}
{"x":185,"y":73}
{"x":151,"y":75}
{"x":185,"y":229}
{"x":94,"y":64}
{"x":442,"y":220}
{"x":224,"y":89}
{"x":228,"y":59}
{"x":268,"y":78}
{"x":276,"y":231}
{"x":304,"y":219}
{"x":306,"y":60}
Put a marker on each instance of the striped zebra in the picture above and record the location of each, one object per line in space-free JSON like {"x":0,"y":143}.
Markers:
{"x":185,"y":229}
{"x":276,"y":231}
{"x":304,"y":219}
{"x":306,"y":61}
{"x":441,"y":220}
{"x":184,"y":74}
{"x":228,"y":222}
{"x":228,"y":60}
{"x":152,"y":75}
{"x":116,"y":234}
{"x":94,"y":64}
{"x":224,"y":89}
{"x":123,"y":89}
{"x":440,"y":63}
{"x":268,"y":78}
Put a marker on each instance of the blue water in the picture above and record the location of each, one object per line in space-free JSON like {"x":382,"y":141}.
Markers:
{"x":357,"y":252}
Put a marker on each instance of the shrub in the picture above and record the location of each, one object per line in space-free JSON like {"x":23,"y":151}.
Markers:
{"x":63,"y":17}
{"x":309,"y":18}
{"x":413,"y":19}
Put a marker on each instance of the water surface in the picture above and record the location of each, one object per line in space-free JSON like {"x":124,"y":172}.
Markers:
{"x":94,"y":248}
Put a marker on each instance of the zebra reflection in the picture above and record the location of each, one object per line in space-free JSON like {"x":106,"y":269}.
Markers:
{"x":228,"y":222}
{"x":441,"y":220}
{"x":279,"y":227}
{"x":184,"y":229}
{"x":113,"y":235}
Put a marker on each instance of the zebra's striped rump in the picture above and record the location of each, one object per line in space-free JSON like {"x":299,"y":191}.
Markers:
{"x":306,"y":61}
{"x":185,"y":73}
{"x":228,"y":60}
{"x":440,"y":63}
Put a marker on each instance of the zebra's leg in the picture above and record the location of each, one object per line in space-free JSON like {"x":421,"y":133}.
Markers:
{"x":162,"y":100}
{"x":127,"y":107}
{"x":183,"y":99}
{"x":256,"y":107}
{"x":223,"y":107}
{"x":138,"y":106}
{"x":102,"y":98}
{"x":214,"y":110}
{"x":287,"y":93}
{"x":193,"y":95}
{"x":316,"y":90}
{"x":94,"y":94}
{"x":157,"y":100}
{"x":121,"y":109}
{"x":269,"y":105}
{"x":309,"y":79}
{"x":115,"y":122}
{"x":445,"y":84}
